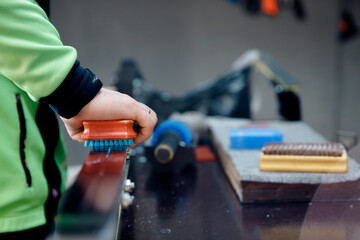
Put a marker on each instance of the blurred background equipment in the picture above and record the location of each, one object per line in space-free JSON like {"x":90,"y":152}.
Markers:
{"x":167,"y":138}
{"x":175,"y":140}
{"x":272,"y":8}
{"x":180,"y":124}
{"x":347,"y":27}
{"x":227,"y":95}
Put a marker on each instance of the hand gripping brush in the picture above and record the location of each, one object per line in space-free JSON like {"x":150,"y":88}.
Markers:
{"x":112,"y":135}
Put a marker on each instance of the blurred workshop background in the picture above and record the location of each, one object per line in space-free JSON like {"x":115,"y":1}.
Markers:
{"x":179,"y":44}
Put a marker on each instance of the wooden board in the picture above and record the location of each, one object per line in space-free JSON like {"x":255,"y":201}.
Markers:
{"x":253,"y":185}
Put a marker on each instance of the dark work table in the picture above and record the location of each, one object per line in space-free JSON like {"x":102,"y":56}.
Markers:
{"x":199,"y":203}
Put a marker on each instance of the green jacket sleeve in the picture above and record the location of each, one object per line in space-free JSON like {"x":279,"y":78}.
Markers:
{"x":31,"y":52}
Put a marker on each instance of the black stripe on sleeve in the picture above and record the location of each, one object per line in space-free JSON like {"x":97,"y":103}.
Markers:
{"x":79,"y":88}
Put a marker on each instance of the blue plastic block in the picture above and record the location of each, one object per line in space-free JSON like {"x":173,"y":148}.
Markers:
{"x":254,"y":138}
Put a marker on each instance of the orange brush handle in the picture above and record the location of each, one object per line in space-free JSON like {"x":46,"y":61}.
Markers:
{"x":109,"y":130}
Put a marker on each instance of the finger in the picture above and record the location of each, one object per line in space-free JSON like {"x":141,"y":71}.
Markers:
{"x":148,"y":111}
{"x":144,"y":134}
{"x":147,"y":120}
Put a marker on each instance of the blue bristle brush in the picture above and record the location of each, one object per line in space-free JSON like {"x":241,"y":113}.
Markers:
{"x":113,"y":135}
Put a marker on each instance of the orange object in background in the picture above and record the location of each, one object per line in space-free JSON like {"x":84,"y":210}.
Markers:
{"x":203,"y":153}
{"x":270,"y":7}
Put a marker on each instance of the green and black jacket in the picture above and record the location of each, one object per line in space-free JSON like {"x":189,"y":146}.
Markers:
{"x":36,"y":71}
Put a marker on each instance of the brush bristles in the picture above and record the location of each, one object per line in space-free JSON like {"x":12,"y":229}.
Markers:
{"x":106,"y":145}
